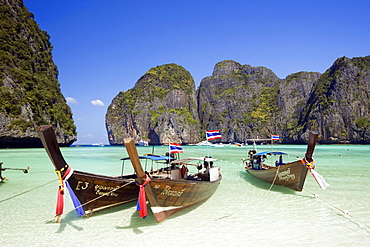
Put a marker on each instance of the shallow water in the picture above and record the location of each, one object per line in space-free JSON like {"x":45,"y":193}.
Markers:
{"x":243,"y":211}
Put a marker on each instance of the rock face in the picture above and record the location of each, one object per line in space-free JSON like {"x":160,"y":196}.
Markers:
{"x":246,"y":102}
{"x":294,"y":92}
{"x":29,"y":90}
{"x":339,"y":105}
{"x":249,"y":102}
{"x":161,"y":108}
{"x":239,"y":100}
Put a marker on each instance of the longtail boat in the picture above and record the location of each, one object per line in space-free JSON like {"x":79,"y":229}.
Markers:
{"x":89,"y":192}
{"x":172,"y":189}
{"x":2,"y":179}
{"x":292,"y":174}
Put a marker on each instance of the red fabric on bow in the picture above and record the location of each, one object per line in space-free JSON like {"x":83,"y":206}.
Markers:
{"x":141,"y":202}
{"x":60,"y":199}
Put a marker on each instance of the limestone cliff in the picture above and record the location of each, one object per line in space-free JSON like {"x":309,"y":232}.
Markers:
{"x":339,"y":105}
{"x":160,"y":108}
{"x":246,"y":102}
{"x":29,"y":90}
{"x":294,"y":92}
{"x":249,"y":102}
{"x":240,"y":100}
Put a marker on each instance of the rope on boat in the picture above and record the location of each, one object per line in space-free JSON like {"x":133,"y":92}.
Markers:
{"x":133,"y":181}
{"x":343,"y":211}
{"x":272,"y":184}
{"x":24,"y":192}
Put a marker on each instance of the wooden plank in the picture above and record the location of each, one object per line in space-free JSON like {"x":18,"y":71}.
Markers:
{"x":48,"y":138}
{"x":312,"y":139}
{"x":135,"y":161}
{"x":134,"y":157}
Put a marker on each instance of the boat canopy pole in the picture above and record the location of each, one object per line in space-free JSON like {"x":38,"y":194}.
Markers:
{"x":169,"y":154}
{"x":123,"y":166}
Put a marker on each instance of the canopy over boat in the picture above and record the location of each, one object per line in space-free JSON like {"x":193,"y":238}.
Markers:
{"x":292,"y":174}
{"x":185,"y":160}
{"x":152,"y":157}
{"x":171,"y":190}
{"x":271,"y":153}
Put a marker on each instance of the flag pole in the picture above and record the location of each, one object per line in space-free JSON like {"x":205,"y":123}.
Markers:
{"x":272,"y":143}
{"x":208,"y":144}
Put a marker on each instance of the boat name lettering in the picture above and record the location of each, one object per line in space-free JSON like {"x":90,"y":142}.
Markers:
{"x":285,"y":175}
{"x":168,"y":192}
{"x":81,"y":185}
{"x":105,"y":190}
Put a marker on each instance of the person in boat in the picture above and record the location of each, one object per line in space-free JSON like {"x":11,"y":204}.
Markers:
{"x":251,"y":154}
{"x":206,"y":166}
{"x":172,"y":155}
{"x":257,"y":163}
{"x":204,"y":175}
{"x":280,"y":162}
{"x":252,"y":159}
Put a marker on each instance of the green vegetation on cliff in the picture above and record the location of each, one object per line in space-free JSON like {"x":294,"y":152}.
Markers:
{"x":244,"y":102}
{"x":362,"y":62}
{"x":170,"y":76}
{"x":264,"y":107}
{"x":29,"y":89}
{"x":159,"y":107}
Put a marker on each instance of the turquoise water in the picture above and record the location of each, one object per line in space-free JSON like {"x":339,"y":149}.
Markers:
{"x":242,"y":212}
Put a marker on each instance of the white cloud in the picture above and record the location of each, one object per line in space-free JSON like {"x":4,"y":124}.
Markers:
{"x":71,"y":100}
{"x":97,"y":102}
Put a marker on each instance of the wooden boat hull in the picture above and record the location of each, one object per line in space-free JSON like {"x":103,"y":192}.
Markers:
{"x":97,"y":192}
{"x":94,"y":192}
{"x":170,"y":196}
{"x":291,"y":175}
{"x":167,"y":195}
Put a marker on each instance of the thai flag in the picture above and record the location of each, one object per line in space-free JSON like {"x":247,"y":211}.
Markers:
{"x":275,"y":137}
{"x":175,"y":148}
{"x":213,"y":134}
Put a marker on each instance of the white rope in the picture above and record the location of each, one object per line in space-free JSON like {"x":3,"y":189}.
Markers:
{"x":24,"y":192}
{"x":345,"y":212}
{"x":272,"y":184}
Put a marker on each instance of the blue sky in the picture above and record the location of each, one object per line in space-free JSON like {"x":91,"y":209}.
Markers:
{"x":104,"y":47}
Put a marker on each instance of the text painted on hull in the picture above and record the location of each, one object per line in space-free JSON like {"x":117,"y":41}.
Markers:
{"x":286,"y":176}
{"x":99,"y":189}
{"x":168,"y":192}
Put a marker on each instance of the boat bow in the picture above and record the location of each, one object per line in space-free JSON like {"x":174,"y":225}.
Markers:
{"x":168,"y":191}
{"x":291,"y":175}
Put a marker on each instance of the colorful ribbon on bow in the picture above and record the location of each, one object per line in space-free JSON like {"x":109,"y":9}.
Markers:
{"x":319,"y":179}
{"x":61,"y":191}
{"x":76,"y":203}
{"x":60,"y":197}
{"x":141,"y":202}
